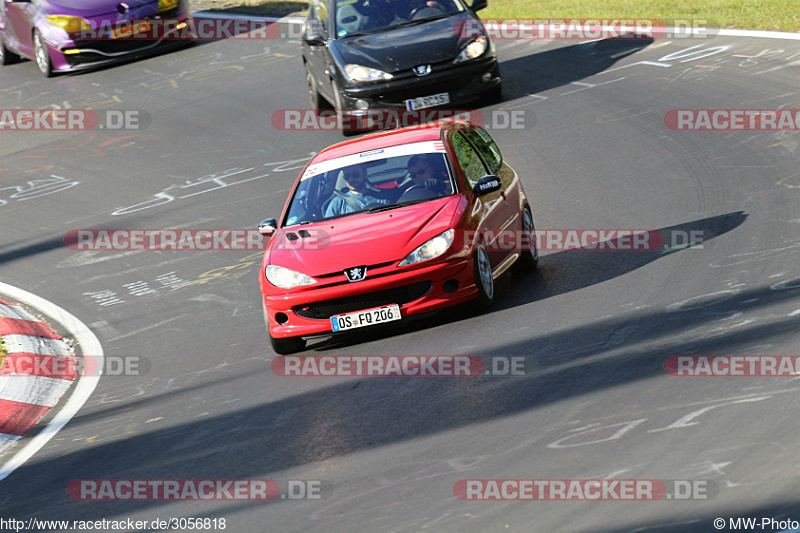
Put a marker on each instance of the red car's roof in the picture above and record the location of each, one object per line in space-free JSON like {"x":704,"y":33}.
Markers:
{"x":382,"y":140}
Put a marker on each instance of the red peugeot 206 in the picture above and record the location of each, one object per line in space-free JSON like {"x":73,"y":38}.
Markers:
{"x":391,"y":225}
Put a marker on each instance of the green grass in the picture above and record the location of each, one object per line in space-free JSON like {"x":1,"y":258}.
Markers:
{"x":267,"y":8}
{"x":3,"y":351}
{"x":779,"y":15}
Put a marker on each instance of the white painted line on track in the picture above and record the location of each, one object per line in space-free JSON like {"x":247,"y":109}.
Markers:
{"x":89,"y":344}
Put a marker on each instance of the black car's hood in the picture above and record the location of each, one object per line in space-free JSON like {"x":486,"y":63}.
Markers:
{"x":398,"y":49}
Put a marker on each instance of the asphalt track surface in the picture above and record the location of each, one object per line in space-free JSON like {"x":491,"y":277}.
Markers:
{"x":594,"y":328}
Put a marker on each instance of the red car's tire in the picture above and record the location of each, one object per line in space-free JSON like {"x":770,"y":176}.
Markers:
{"x":529,"y":258}
{"x":484,"y":280}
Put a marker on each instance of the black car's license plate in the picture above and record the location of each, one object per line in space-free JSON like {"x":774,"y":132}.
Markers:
{"x":424,"y":102}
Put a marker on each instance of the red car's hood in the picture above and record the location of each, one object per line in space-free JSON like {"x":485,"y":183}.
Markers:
{"x":366,"y":239}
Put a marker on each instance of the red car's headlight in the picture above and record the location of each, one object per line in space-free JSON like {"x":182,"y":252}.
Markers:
{"x":430,"y":249}
{"x":286,"y":278}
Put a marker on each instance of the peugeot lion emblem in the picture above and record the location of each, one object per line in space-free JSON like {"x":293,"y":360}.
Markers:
{"x":355,"y":273}
{"x":422,"y":70}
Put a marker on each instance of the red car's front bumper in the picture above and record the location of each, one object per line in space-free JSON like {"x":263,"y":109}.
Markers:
{"x":432,"y":287}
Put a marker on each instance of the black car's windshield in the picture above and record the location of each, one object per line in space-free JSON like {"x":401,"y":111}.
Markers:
{"x":387,"y":178}
{"x":356,"y":17}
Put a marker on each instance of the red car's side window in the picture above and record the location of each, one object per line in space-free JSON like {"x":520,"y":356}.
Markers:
{"x":487,"y":148}
{"x":468,"y":159}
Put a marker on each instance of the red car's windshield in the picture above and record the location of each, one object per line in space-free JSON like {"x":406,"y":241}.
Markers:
{"x":380,"y":179}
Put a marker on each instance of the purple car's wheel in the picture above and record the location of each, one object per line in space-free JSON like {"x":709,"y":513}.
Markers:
{"x":484,"y":280}
{"x":42,"y":55}
{"x":6,"y":56}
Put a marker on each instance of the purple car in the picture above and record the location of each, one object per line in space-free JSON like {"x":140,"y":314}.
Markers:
{"x":68,"y":35}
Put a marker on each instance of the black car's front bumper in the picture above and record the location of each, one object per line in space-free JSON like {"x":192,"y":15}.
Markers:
{"x":464,"y":84}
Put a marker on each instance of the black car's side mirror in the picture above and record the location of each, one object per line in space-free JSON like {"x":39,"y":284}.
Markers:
{"x":313,"y":39}
{"x":486,"y":185}
{"x":478,"y":4}
{"x":268,"y":226}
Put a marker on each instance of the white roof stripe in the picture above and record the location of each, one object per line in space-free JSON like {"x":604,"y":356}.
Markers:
{"x":424,"y":147}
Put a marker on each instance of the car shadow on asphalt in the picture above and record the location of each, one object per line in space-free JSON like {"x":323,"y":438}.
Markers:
{"x":540,"y":71}
{"x":364,"y":414}
{"x":559,"y":273}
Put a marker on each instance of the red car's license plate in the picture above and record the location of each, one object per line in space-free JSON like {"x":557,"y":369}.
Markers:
{"x":369,"y":317}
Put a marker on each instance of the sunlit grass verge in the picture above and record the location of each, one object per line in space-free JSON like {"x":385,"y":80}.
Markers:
{"x":776,"y":15}
{"x":263,"y":8}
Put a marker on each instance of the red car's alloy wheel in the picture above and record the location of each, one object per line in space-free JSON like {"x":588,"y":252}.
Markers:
{"x":484,"y":280}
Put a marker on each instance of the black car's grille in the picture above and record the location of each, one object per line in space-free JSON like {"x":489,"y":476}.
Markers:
{"x":400,"y":295}
{"x":421,"y":89}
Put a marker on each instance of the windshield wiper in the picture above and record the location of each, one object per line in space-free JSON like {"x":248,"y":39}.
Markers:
{"x":387,"y":207}
{"x":420,"y":21}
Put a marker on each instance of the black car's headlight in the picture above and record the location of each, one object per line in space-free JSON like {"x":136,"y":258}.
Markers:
{"x":286,"y":278}
{"x":473,"y":50}
{"x":359,"y":73}
{"x":430,"y":249}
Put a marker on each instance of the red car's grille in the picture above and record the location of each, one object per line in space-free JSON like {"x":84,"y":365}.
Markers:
{"x":370,"y":269}
{"x":399,"y":295}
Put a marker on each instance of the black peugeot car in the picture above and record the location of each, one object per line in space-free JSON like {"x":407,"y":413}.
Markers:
{"x":397,"y":54}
